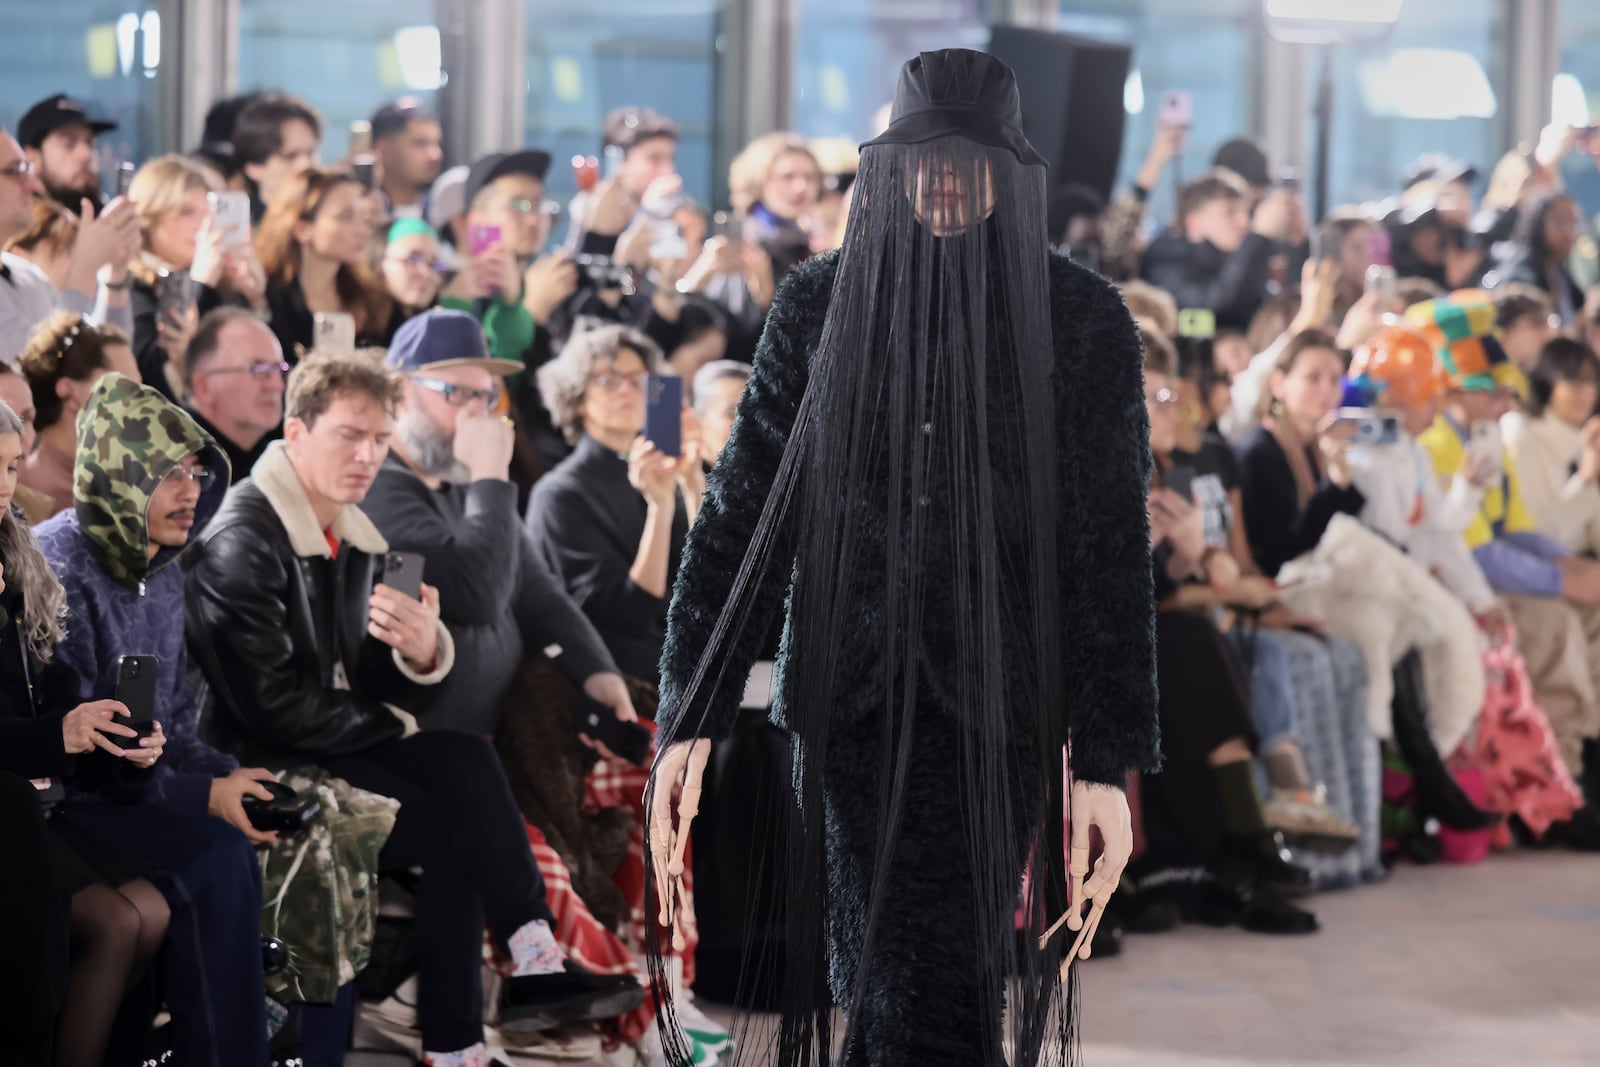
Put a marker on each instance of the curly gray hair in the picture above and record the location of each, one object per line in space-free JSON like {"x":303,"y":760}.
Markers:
{"x":44,"y":601}
{"x":563,"y":380}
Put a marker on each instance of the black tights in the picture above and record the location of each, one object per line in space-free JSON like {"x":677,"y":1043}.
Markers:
{"x":115,"y":935}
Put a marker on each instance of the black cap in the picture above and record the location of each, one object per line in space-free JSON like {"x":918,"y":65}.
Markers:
{"x":1437,"y":167}
{"x":961,"y":92}
{"x":529,"y":161}
{"x":1246,"y":159}
{"x":391,"y":119}
{"x":56,"y":113}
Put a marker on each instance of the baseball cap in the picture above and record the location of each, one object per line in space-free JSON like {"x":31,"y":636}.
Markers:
{"x":1246,"y":159}
{"x":57,"y":113}
{"x":443,"y":337}
{"x":529,"y":161}
{"x":1437,"y":167}
{"x":448,"y":197}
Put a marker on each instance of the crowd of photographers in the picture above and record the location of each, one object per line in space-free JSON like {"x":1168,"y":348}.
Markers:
{"x":336,"y":560}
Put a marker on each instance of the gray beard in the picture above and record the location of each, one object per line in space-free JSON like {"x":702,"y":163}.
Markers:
{"x":429,"y":449}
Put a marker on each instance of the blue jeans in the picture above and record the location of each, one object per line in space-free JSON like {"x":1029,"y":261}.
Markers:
{"x":212,"y":882}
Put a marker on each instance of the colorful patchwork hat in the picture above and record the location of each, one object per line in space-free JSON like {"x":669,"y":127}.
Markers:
{"x":1461,"y":330}
{"x":1396,"y":368}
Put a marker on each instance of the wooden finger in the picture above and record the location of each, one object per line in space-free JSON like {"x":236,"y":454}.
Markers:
{"x":1077,"y":868}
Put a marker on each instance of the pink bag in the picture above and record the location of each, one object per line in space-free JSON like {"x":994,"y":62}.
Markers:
{"x":1467,"y":846}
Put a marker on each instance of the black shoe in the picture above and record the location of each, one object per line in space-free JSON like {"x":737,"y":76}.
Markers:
{"x":538,"y":1002}
{"x":1258,"y":911}
{"x":1263,"y":861}
{"x":1143,"y":911}
{"x":1581,"y":833}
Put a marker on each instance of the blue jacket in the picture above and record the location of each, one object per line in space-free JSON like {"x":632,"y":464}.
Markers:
{"x":119,"y":600}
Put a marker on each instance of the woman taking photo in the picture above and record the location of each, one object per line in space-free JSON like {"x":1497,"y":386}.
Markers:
{"x":117,"y":918}
{"x":313,"y":244}
{"x":188,"y":266}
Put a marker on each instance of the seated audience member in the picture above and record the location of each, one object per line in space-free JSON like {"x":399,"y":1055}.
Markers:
{"x":647,"y":142}
{"x":58,"y":134}
{"x":411,"y":266}
{"x":1526,"y":320}
{"x":322,"y":686}
{"x":118,"y":919}
{"x":1553,"y":597}
{"x":16,"y":394}
{"x":147,"y":476}
{"x":184,"y":248}
{"x":702,"y":339}
{"x":407,"y":145}
{"x":717,"y":389}
{"x":1347,"y":238}
{"x":1547,"y":231}
{"x":33,"y":929}
{"x":774,"y":185}
{"x":1217,"y":257}
{"x":1202,"y":816}
{"x":1555,"y":445}
{"x":235,"y":373}
{"x":274,"y":139}
{"x":27,"y":295}
{"x":313,"y":246}
{"x":71,"y":253}
{"x":62,"y":363}
{"x":612,"y":517}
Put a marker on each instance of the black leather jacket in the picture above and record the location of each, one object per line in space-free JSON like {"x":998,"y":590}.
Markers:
{"x":268,"y":628}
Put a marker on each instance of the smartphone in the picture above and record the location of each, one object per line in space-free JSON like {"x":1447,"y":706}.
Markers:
{"x":1197,"y":322}
{"x":1384,"y":281}
{"x":598,"y":722}
{"x":726,"y":224}
{"x":1180,"y":480}
{"x":482,"y":236}
{"x":125,"y":173}
{"x":175,"y":296}
{"x":333,"y":331}
{"x":402,"y":572}
{"x":1177,"y":108}
{"x":1371,"y":427}
{"x":585,"y":172}
{"x":136,"y":689}
{"x":663,"y":413}
{"x":667,"y":242}
{"x":1485,"y":443}
{"x":230,"y":213}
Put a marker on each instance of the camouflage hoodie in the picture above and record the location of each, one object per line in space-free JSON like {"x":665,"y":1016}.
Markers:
{"x":120,"y":601}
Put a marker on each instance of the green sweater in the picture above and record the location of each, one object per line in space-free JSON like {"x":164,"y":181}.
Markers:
{"x":508,"y":326}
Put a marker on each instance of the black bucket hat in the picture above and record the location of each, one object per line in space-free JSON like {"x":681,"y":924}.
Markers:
{"x":961,"y":92}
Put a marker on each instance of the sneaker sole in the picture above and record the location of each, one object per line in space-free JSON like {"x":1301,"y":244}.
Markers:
{"x":582,"y":1007}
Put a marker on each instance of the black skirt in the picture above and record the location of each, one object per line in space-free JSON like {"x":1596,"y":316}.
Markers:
{"x":80,"y":859}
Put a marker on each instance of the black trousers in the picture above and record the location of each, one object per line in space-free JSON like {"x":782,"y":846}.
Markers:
{"x":33,"y":930}
{"x":1204,"y":702}
{"x":459,"y":822}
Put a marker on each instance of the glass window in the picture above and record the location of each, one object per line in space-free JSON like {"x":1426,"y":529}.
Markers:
{"x":848,"y":55}
{"x":1437,"y":84}
{"x":347,"y":58}
{"x":1207,"y":48}
{"x":584,"y":61}
{"x":1580,"y":64}
{"x":105,"y":53}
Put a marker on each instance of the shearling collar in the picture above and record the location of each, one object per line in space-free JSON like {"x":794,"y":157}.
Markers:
{"x":280,"y":484}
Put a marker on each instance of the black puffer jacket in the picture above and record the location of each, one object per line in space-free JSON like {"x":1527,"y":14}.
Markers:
{"x":275,"y":622}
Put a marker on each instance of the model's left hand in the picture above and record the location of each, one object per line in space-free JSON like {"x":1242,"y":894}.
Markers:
{"x":685,"y":762}
{"x":1104,"y":807}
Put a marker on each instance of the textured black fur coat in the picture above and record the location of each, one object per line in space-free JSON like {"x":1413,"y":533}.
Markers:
{"x":1103,"y":463}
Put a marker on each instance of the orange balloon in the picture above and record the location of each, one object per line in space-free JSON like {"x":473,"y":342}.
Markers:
{"x":1403,"y":362}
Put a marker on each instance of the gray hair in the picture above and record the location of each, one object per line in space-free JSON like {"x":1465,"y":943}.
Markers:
{"x":563,"y":380}
{"x":44,"y":601}
{"x":717,"y":370}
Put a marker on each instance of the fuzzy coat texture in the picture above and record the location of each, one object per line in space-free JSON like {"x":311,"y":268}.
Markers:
{"x":921,"y":1004}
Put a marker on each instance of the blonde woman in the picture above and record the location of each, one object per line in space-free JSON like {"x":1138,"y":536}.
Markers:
{"x":188,"y":266}
{"x":775,"y":184}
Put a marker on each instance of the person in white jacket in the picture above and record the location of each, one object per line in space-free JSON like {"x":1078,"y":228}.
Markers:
{"x":1555,"y":444}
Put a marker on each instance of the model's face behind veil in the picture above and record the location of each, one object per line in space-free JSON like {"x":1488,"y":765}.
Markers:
{"x":949,"y":198}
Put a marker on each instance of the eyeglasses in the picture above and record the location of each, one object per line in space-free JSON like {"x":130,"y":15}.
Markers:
{"x":19,"y":168}
{"x":1164,"y":398}
{"x":259,"y":371}
{"x":418,"y":261}
{"x":523,"y":206}
{"x":611,"y":381}
{"x":459,"y":396}
{"x":197,"y":474}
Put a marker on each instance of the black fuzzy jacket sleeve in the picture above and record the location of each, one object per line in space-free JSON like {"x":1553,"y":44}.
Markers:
{"x":1103,"y":465}
{"x":736,"y":493}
